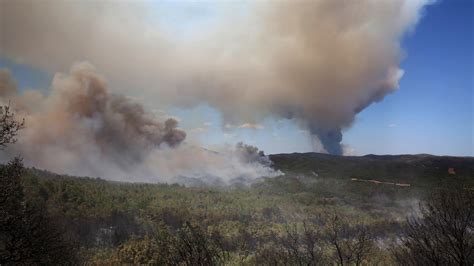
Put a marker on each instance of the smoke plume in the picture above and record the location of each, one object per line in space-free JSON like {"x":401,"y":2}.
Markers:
{"x":317,"y":62}
{"x":82,"y":128}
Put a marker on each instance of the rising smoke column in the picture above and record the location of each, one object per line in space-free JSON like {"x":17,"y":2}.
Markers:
{"x":317,"y":62}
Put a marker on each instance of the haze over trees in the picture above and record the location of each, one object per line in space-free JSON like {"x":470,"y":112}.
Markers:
{"x":27,"y":234}
{"x":297,"y":219}
{"x":444,"y":234}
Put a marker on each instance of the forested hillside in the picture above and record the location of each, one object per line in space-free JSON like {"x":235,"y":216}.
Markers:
{"x":321,"y":202}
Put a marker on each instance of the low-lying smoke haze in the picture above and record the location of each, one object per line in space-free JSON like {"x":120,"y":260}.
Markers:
{"x":318,"y":63}
{"x":81,"y":128}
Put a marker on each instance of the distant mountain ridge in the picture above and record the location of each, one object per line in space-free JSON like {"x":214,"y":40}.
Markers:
{"x":419,"y":168}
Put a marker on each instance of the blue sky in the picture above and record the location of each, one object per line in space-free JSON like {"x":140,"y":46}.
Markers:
{"x":431,"y":112}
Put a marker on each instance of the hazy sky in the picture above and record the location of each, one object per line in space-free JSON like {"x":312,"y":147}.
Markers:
{"x":432,"y":111}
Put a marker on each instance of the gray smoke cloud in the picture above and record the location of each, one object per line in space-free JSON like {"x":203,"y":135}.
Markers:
{"x":251,"y":154}
{"x":80,"y":106}
{"x":82,"y":128}
{"x":317,"y":62}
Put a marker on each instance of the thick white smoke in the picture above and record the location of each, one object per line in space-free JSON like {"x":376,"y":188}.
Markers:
{"x":81,"y":128}
{"x":318,"y":62}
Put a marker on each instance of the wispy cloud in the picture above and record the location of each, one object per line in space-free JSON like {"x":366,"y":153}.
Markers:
{"x":251,"y":126}
{"x":244,"y":125}
{"x":228,"y":135}
{"x":199,"y":130}
{"x":392,"y":125}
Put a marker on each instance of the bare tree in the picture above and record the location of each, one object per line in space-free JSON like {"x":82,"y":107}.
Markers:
{"x":9,"y":127}
{"x":444,"y":234}
{"x":311,"y":244}
{"x":335,"y":229}
{"x":352,"y":244}
{"x":299,"y":245}
{"x":195,"y":247}
{"x":362,"y":244}
{"x":291,"y":244}
{"x":246,"y":241}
